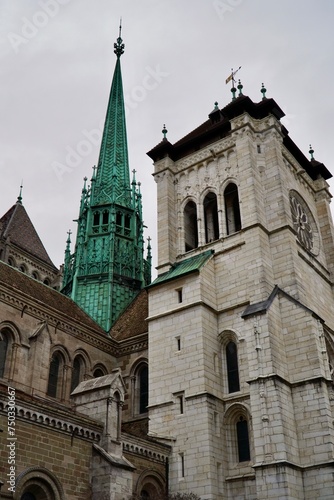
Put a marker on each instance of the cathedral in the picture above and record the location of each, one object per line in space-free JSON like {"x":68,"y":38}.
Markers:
{"x":216,"y":378}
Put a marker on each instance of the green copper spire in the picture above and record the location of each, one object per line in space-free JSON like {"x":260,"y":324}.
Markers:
{"x":112,"y":175}
{"x":108,"y":268}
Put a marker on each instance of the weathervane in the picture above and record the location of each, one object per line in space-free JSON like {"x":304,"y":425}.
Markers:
{"x":231,"y":76}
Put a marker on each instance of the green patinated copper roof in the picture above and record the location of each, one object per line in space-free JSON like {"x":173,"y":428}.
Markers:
{"x":186,"y":266}
{"x":107,"y":269}
{"x":112,"y":176}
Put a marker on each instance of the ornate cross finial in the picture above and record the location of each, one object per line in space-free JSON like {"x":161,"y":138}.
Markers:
{"x":164,"y":131}
{"x":311,"y":151}
{"x":119,"y":45}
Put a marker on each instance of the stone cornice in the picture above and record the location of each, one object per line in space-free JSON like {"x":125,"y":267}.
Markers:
{"x":133,"y":344}
{"x":149,"y":449}
{"x":60,"y":420}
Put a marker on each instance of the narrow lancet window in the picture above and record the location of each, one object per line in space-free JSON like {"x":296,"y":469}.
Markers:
{"x":54,"y":376}
{"x":211,"y":218}
{"x":143,"y":389}
{"x":190,"y":226}
{"x":243,"y":440}
{"x":3,"y":353}
{"x":232,"y":367}
{"x":232,"y":209}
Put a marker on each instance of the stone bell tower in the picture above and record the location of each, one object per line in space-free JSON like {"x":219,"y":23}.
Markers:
{"x":241,"y":315}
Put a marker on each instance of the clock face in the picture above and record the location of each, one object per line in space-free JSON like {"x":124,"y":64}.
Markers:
{"x":302,"y":222}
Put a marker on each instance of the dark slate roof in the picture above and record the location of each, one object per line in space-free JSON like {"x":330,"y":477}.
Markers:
{"x":186,"y":266}
{"x":132,"y":321}
{"x":263,"y":306}
{"x":12,"y":278}
{"x":17,"y":225}
{"x":219,"y":125}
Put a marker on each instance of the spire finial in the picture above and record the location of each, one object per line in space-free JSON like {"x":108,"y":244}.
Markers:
{"x":134,"y":182}
{"x":164,"y":132}
{"x":263,"y":91}
{"x":19,"y":198}
{"x":240,"y":87}
{"x":119,"y":45}
{"x":94,"y":174}
{"x":311,"y":151}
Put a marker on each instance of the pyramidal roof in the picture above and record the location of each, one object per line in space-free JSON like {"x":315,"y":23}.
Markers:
{"x":16,"y":225}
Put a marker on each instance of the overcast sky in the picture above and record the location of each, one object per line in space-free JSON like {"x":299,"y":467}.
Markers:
{"x":56,"y":66}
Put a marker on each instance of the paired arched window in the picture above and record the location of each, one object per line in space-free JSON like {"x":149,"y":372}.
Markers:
{"x":190,"y":226}
{"x":232,"y":367}
{"x":232,"y":209}
{"x":100,"y":223}
{"x":211,"y":220}
{"x":211,"y":217}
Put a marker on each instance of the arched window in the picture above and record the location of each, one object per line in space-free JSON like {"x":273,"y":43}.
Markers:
{"x":55,"y":376}
{"x":22,"y":268}
{"x":211,"y":217}
{"x":98,"y":373}
{"x":143,"y":389}
{"x":232,"y":209}
{"x":232,"y":367}
{"x":127,"y":225}
{"x":105,"y":217}
{"x":3,"y":352}
{"x":96,"y":219}
{"x":11,"y":261}
{"x":243,"y":440}
{"x":118,"y":414}
{"x":119,"y":222}
{"x":34,"y":275}
{"x":76,"y":373}
{"x":190,"y":226}
{"x":46,"y":282}
{"x":28,"y":496}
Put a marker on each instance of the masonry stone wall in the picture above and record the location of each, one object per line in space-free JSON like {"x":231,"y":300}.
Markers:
{"x":67,"y":458}
{"x":286,"y":389}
